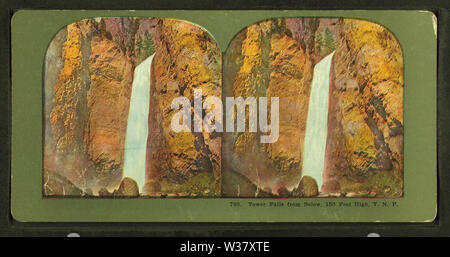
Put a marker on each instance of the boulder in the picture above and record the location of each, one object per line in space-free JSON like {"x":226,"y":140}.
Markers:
{"x":307,"y":187}
{"x":128,"y":187}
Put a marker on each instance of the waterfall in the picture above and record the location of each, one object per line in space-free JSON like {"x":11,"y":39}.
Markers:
{"x":316,"y":123}
{"x":137,"y":124}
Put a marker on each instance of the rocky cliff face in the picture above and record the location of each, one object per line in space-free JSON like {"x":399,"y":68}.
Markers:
{"x":88,"y":100}
{"x":365,"y":125}
{"x":187,"y":58}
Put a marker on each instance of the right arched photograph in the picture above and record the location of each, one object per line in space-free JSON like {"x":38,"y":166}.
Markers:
{"x":339,"y":126}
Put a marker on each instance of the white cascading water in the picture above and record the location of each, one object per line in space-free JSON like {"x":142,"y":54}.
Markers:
{"x":316,"y":123}
{"x":137,"y":124}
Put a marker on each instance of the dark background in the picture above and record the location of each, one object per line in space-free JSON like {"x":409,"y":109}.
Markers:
{"x":440,"y":227}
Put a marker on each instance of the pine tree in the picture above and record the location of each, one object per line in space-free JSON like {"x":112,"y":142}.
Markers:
{"x":144,"y":46}
{"x":325,"y":42}
{"x":148,"y":45}
{"x":328,"y":41}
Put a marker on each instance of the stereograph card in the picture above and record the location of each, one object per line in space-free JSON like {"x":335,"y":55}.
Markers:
{"x":223,"y":116}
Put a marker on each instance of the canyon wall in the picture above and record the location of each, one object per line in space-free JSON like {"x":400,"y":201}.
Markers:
{"x":87,"y":98}
{"x":365,"y":122}
{"x":187,"y":58}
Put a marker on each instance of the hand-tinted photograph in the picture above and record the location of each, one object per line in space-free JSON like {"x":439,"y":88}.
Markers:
{"x":293,"y":108}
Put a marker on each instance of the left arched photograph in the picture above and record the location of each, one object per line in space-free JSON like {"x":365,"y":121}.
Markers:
{"x":108,"y":89}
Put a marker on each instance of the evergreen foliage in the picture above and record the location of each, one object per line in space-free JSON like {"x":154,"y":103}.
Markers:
{"x":325,"y":42}
{"x":144,"y":46}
